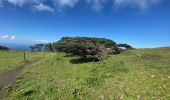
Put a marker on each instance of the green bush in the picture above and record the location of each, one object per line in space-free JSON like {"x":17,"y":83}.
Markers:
{"x":91,"y":48}
{"x":3,"y":48}
{"x":127,"y":46}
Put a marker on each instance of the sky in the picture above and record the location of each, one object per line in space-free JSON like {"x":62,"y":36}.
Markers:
{"x":140,"y":23}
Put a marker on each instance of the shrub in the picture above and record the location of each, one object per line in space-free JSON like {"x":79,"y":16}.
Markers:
{"x":37,"y":47}
{"x":92,"y":48}
{"x":3,"y":48}
{"x":127,"y":46}
{"x":42,"y":47}
{"x":49,"y":47}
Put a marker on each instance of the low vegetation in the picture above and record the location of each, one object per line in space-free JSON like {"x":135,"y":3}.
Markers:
{"x":142,"y":74}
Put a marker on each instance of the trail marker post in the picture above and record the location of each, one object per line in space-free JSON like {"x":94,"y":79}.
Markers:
{"x":24,"y":55}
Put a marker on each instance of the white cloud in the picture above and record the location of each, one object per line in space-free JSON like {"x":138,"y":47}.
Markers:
{"x":43,"y":7}
{"x":41,"y":41}
{"x":23,"y":2}
{"x":97,"y":5}
{"x":36,"y":4}
{"x":142,"y":4}
{"x":18,"y":2}
{"x":0,"y":3}
{"x":63,"y":3}
{"x":8,"y":37}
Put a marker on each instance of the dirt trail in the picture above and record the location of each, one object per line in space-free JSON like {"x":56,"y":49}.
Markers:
{"x":8,"y":78}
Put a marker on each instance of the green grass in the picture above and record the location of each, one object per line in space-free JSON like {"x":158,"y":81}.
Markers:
{"x":137,"y":74}
{"x":12,"y":59}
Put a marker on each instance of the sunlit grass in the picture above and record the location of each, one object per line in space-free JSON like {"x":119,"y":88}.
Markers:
{"x":12,"y":59}
{"x":136,"y":74}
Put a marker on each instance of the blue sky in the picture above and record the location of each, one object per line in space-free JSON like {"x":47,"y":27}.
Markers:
{"x":141,"y":23}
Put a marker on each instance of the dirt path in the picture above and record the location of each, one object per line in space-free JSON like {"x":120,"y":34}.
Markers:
{"x":8,"y":78}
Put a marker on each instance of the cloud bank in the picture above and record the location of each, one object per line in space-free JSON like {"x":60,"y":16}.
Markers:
{"x":8,"y":37}
{"x":95,"y":5}
{"x":41,"y":41}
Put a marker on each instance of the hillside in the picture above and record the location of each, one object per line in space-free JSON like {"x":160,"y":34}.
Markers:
{"x":131,"y":75}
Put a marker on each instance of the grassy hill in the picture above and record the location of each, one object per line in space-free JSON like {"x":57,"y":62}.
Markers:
{"x":131,"y":75}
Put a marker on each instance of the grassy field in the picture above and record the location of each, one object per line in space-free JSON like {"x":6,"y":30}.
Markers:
{"x":138,"y":74}
{"x":11,"y":59}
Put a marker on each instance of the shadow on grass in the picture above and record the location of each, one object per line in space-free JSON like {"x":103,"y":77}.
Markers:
{"x":82,"y":60}
{"x":68,"y":55}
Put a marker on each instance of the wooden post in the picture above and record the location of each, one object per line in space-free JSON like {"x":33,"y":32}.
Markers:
{"x":44,"y":49}
{"x":24,"y":55}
